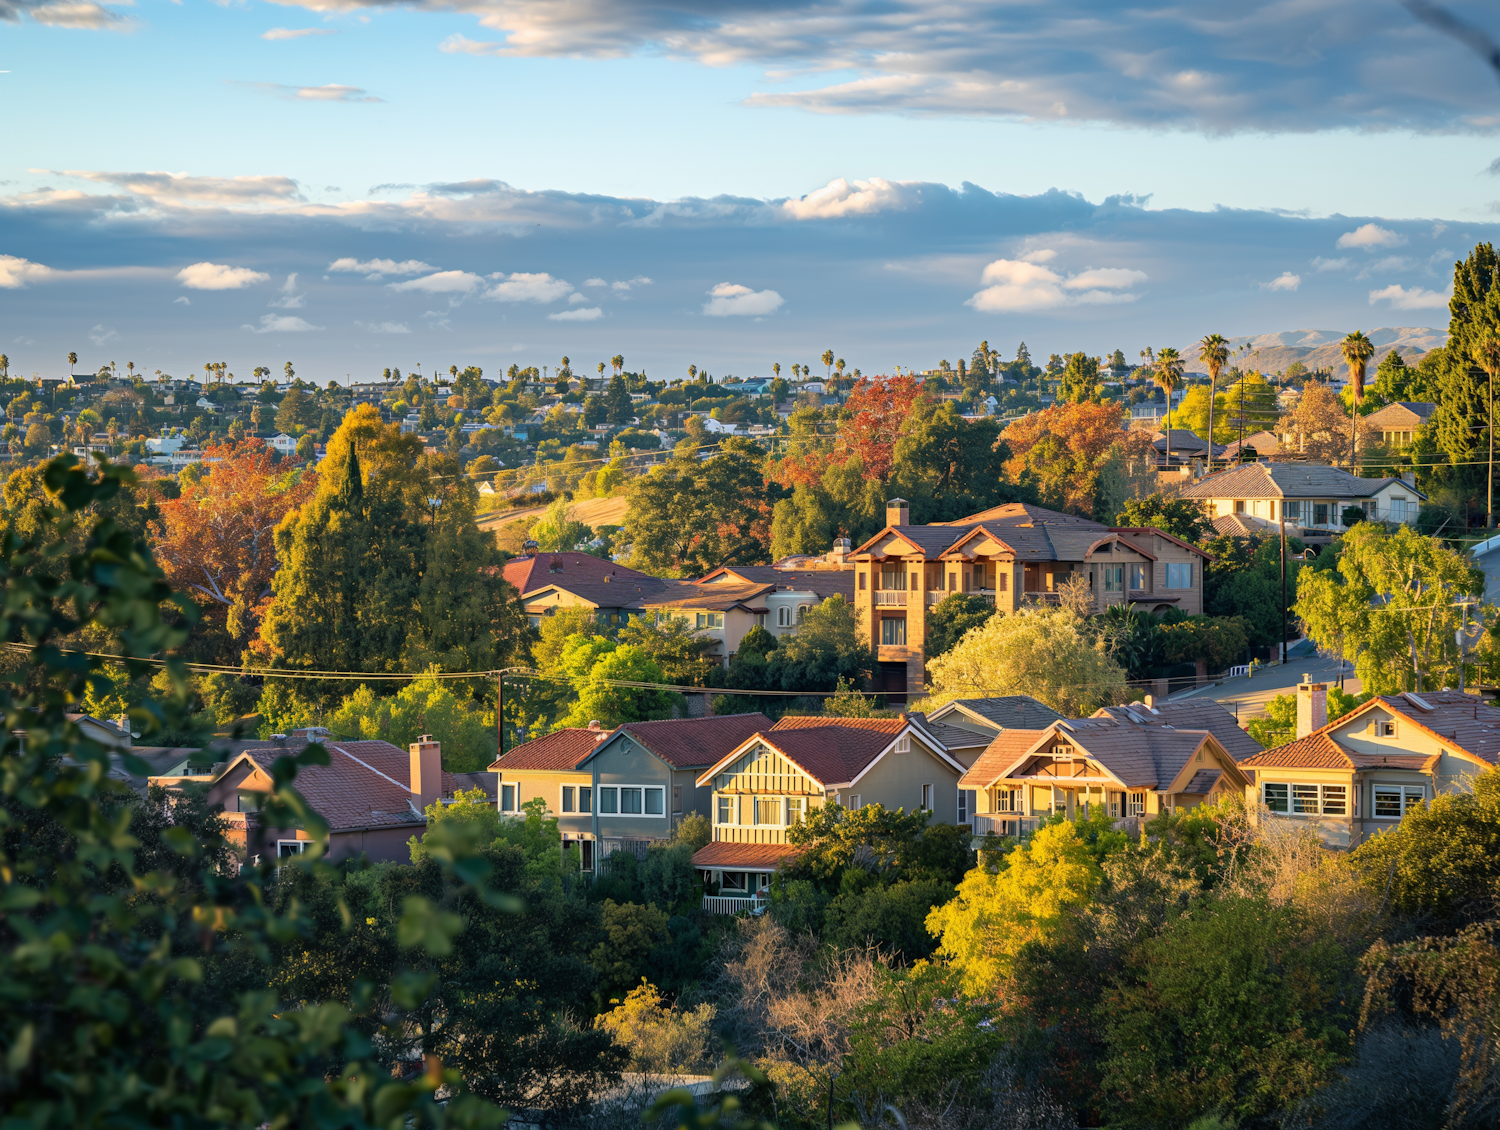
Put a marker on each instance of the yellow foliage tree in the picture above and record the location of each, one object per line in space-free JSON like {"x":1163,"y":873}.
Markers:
{"x":660,"y":1039}
{"x":1031,"y":898}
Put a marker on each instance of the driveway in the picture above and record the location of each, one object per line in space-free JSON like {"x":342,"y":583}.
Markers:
{"x":1247,"y":697}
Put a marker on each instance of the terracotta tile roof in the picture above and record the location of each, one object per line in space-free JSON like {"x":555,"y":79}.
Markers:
{"x":1002,"y":752}
{"x":1316,"y":751}
{"x":562,"y":749}
{"x":366,"y":784}
{"x":1462,"y":720}
{"x":1190,"y":714}
{"x":541,"y":569}
{"x":717,"y":597}
{"x":695,"y":743}
{"x":751,"y":857}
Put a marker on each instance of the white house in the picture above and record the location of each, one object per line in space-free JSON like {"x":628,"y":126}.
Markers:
{"x":166,"y":443}
{"x":719,"y":428}
{"x":283,"y":443}
{"x":1307,"y":495}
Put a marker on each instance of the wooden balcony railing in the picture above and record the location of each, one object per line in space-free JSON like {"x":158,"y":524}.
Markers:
{"x":890,"y":598}
{"x":734,"y":904}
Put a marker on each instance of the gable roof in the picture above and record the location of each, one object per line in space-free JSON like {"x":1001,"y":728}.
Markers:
{"x":833,"y":751}
{"x":1011,"y":711}
{"x":690,"y":743}
{"x":1021,"y":514}
{"x":721,"y":854}
{"x":1290,"y":480}
{"x":538,"y":570}
{"x":1139,"y":757}
{"x":1401,"y":414}
{"x":1004,"y":750}
{"x":714,"y":597}
{"x":559,"y":750}
{"x":1189,"y":714}
{"x":365,"y":784}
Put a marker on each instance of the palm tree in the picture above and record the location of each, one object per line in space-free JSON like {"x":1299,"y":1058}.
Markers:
{"x":4,"y":366}
{"x":1487,"y":356}
{"x":692,"y":372}
{"x":618,"y":362}
{"x":1213,"y":351}
{"x":827,"y":359}
{"x":1168,"y":375}
{"x":1357,"y":350}
{"x":776,"y":369}
{"x":72,"y":360}
{"x":601,"y":374}
{"x":839,"y":365}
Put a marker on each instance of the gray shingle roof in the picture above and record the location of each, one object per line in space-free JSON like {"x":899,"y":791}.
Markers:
{"x":1289,"y":480}
{"x":1010,"y":712}
{"x":1190,"y":714}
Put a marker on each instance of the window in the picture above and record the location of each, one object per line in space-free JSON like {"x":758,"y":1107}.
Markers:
{"x":926,"y":798}
{"x":507,"y":798}
{"x":1398,"y":510}
{"x":1335,"y":800}
{"x":801,"y":613}
{"x":1276,"y":797}
{"x":1002,"y":581}
{"x":1008,"y":800}
{"x":893,"y":578}
{"x":585,"y":799}
{"x":654,"y":800}
{"x":966,"y":799}
{"x":630,"y":802}
{"x":676,"y":799}
{"x":852,"y":802}
{"x":609,"y":801}
{"x":1137,"y":577}
{"x":249,"y":802}
{"x":285,"y":848}
{"x":586,"y":854}
{"x":916,"y":583}
{"x":1179,"y":574}
{"x":952,"y":582}
{"x":893,"y":630}
{"x":861,"y":582}
{"x":1239,"y":506}
{"x":726,"y":810}
{"x":710,"y":619}
{"x":1385,"y":729}
{"x":1114,"y":805}
{"x":1136,"y":805}
{"x":768,"y":810}
{"x":1320,"y":513}
{"x":1305,"y":800}
{"x":1291,"y":509}
{"x":903,"y":744}
{"x":794,"y":809}
{"x":1114,"y":578}
{"x":1392,"y":802}
{"x":568,"y":804}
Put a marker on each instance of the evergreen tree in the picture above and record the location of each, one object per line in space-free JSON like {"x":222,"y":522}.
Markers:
{"x":1460,"y":425}
{"x":617,"y":402}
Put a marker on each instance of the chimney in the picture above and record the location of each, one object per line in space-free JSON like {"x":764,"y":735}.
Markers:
{"x":1409,"y":478}
{"x":897,"y":512}
{"x":840,"y":550}
{"x":1312,"y":706}
{"x":426,"y":770}
{"x":529,"y":547}
{"x":593,"y":724}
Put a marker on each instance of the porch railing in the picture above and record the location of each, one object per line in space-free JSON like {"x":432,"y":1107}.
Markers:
{"x":890,"y":597}
{"x":733,"y":904}
{"x":1041,"y":598}
{"x":1005,"y":824}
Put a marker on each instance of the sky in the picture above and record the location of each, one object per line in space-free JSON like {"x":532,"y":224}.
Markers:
{"x":356,"y":184}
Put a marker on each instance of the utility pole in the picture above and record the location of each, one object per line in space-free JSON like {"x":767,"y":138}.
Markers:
{"x":1281,"y":513}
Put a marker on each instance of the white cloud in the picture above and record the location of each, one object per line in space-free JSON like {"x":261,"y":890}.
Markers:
{"x":839,"y":198}
{"x":217,"y":276}
{"x":1414,"y":299}
{"x":281,"y":324}
{"x":1042,"y":255}
{"x":289,"y":299}
{"x":72,"y":13}
{"x":444,"y":282}
{"x":523,"y":287}
{"x":1011,"y":285}
{"x":1321,"y":264}
{"x":384,"y":327}
{"x":16,"y":272}
{"x":1368,"y":237}
{"x":180,"y":186}
{"x":297,"y":32}
{"x":595,"y":282}
{"x":329,"y":92}
{"x":576,"y":299}
{"x":377,"y":268}
{"x":101,"y":335}
{"x":732,"y":300}
{"x":182,"y":300}
{"x":1285,"y":281}
{"x":586,"y":314}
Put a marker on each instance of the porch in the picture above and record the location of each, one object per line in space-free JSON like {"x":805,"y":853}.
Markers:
{"x":1019,"y":827}
{"x":736,"y":903}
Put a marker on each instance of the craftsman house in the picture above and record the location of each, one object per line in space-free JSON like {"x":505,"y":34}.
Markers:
{"x":1357,"y":776}
{"x":1016,"y":555}
{"x":776,"y":776}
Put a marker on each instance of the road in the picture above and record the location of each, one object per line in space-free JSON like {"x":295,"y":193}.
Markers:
{"x":1247,"y":697}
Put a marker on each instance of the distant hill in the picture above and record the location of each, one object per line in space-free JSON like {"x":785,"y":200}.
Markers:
{"x":1319,"y":349}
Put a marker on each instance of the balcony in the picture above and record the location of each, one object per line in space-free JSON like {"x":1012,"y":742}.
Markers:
{"x":1044,"y":598}
{"x":735,"y":904}
{"x":936,"y":598}
{"x":1011,"y":824}
{"x":890,"y":598}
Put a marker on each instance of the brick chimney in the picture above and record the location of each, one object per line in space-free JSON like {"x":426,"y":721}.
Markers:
{"x":897,"y":512}
{"x":426,"y":770}
{"x":1312,"y":706}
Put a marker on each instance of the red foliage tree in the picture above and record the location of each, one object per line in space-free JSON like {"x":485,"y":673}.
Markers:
{"x":876,"y":412}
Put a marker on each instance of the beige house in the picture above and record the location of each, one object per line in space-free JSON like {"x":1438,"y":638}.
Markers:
{"x":1308,"y":496}
{"x":774,"y":778}
{"x":1015,"y":555}
{"x":1397,"y":423}
{"x":1132,"y":768}
{"x":1359,"y":775}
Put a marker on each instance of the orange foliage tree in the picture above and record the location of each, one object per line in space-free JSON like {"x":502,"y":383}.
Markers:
{"x":1064,"y":450}
{"x":216,"y":541}
{"x":875,"y":414}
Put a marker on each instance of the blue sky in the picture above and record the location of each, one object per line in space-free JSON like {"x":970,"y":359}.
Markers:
{"x":894,"y":181}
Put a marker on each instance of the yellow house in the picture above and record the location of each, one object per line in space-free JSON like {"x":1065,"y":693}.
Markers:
{"x":1132,"y":768}
{"x":1359,"y":775}
{"x":548,"y":767}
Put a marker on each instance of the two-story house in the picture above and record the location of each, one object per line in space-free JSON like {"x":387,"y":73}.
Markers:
{"x":550,"y":581}
{"x":791,"y":592}
{"x":1308,"y":496}
{"x":1358,"y":775}
{"x":1015,"y":555}
{"x":620,"y":789}
{"x":1132,"y":767}
{"x":776,"y":776}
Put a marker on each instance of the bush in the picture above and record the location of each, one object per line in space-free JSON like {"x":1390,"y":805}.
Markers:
{"x":660,"y":1039}
{"x":892,"y":918}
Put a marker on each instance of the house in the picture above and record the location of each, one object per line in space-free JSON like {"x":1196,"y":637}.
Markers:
{"x":372,"y":794}
{"x":548,"y":767}
{"x":779,"y":774}
{"x":1398,"y":422}
{"x":283,"y":443}
{"x":1189,"y":714}
{"x":790,"y":592}
{"x":1357,"y":776}
{"x":166,"y":443}
{"x":1259,"y":445}
{"x":722,"y":613}
{"x":966,"y":726}
{"x":1185,"y":448}
{"x":1310,"y":496}
{"x":1016,"y":555}
{"x":1133,"y":767}
{"x":549,"y":581}
{"x":1487,"y":558}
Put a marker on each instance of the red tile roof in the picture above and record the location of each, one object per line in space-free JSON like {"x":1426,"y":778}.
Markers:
{"x":998,"y":756}
{"x":694,"y":743}
{"x":1316,"y":751}
{"x":560,"y":750}
{"x":365,"y":784}
{"x":750,"y":857}
{"x":542,"y":569}
{"x":1462,"y":720}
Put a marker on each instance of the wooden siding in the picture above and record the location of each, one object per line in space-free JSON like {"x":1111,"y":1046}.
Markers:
{"x":763,"y":770}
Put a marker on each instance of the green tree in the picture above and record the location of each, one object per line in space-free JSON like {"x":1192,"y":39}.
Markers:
{"x":592,"y":663}
{"x":557,"y":530}
{"x":1181,"y":517}
{"x":1080,"y":380}
{"x":1461,"y":422}
{"x":688,"y":516}
{"x":826,"y":648}
{"x":952,"y":618}
{"x":618,"y":407}
{"x":631,"y":932}
{"x":297,"y":410}
{"x":424,"y":706}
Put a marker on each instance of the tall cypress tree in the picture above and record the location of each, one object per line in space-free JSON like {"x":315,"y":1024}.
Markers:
{"x":1460,"y":425}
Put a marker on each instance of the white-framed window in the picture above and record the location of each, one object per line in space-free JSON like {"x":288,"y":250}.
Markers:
{"x":926,"y":798}
{"x":286,"y":848}
{"x":1394,"y":801}
{"x":903,"y":744}
{"x":507,"y":798}
{"x":851,"y":802}
{"x":768,"y":810}
{"x":1335,"y":800}
{"x":1398,"y":510}
{"x":966,"y":798}
{"x":1385,"y":729}
{"x":724,"y":810}
{"x":710,"y":620}
{"x":1009,"y":800}
{"x":1179,"y":574}
{"x":569,"y":801}
{"x":1114,"y":805}
{"x":1291,"y":509}
{"x":1136,"y":804}
{"x":585,"y":798}
{"x":1304,"y":800}
{"x":794,"y":806}
{"x":783,"y":617}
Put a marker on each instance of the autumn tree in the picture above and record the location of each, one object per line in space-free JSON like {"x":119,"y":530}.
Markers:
{"x":1068,"y":451}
